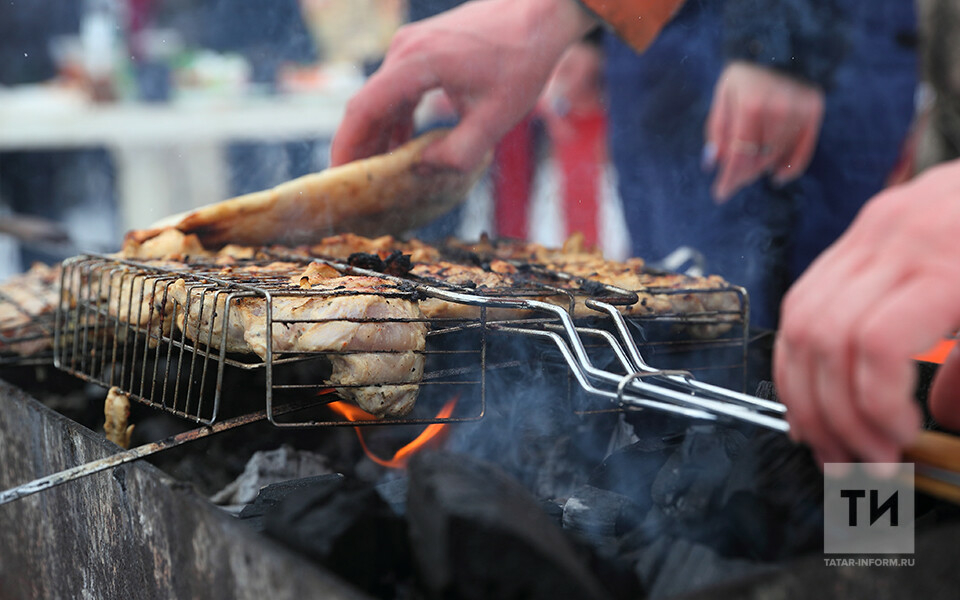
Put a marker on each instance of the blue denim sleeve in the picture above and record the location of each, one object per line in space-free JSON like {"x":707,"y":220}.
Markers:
{"x":803,"y":38}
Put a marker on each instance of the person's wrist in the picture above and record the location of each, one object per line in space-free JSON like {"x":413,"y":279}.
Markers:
{"x":556,"y":24}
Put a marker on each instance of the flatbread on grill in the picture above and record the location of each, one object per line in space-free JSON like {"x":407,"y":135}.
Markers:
{"x":386,"y":194}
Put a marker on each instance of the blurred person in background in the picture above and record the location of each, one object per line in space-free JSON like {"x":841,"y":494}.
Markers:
{"x":938,"y":131}
{"x":572,"y":109}
{"x":72,"y":190}
{"x":354,"y":32}
{"x":342,"y":35}
{"x":26,"y":29}
{"x":758,"y":69}
{"x":796,"y":110}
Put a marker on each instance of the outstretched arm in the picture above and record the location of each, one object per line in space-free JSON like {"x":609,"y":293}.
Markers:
{"x":492,"y":58}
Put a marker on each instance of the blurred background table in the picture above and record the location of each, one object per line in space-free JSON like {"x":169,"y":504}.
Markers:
{"x":169,"y":157}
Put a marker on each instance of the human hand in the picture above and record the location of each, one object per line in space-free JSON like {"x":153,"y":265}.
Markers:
{"x":886,"y":290}
{"x":760,"y":122}
{"x":491,"y":58}
{"x":575,"y":87}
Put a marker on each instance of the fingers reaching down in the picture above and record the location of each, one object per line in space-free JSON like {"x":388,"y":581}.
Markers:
{"x":760,"y":122}
{"x":491,"y":59}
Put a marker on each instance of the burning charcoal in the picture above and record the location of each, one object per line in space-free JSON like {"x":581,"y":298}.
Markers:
{"x":274,"y":493}
{"x":274,"y":466}
{"x":774,"y":498}
{"x":553,"y":510}
{"x":476,"y":533}
{"x":692,"y":477}
{"x":347,"y":527}
{"x":654,"y":427}
{"x":598,"y":513}
{"x":669,"y":567}
{"x":630,"y":471}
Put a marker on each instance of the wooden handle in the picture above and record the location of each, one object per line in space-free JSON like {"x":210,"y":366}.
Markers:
{"x":936,"y":449}
{"x":938,"y":489}
{"x":939,"y":450}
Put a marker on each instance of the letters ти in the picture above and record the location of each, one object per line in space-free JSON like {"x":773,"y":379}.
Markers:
{"x":877,"y":510}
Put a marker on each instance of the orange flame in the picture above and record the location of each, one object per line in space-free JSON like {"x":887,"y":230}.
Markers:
{"x":399,"y":460}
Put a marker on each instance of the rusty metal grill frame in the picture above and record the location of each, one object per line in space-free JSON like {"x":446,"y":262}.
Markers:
{"x":119,"y":358}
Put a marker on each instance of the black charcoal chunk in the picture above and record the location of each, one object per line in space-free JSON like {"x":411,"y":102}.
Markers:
{"x":271,"y":466}
{"x":630,"y":471}
{"x":477,"y":533}
{"x":690,"y":481}
{"x":599,"y":514}
{"x":274,"y":493}
{"x":669,"y":567}
{"x":348,"y":528}
{"x":773,"y":499}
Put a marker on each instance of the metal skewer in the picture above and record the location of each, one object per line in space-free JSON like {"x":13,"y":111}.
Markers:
{"x":114,"y":460}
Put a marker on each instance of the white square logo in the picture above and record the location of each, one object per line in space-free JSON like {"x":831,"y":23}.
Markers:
{"x":863,"y":514}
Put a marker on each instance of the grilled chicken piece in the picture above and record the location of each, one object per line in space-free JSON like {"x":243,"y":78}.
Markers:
{"x":478,"y":281}
{"x":390,"y":193}
{"x":658,"y":293}
{"x":169,"y":244}
{"x":486,"y":249}
{"x":142,"y":299}
{"x":116,"y":412}
{"x":373,"y":340}
{"x":655,"y":290}
{"x":429,"y":268}
{"x":26,"y":303}
{"x":201,"y":308}
{"x":340,"y":247}
{"x":138,"y":299}
{"x":387,"y":349}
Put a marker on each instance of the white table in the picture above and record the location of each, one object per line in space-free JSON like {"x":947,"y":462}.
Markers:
{"x":169,"y":157}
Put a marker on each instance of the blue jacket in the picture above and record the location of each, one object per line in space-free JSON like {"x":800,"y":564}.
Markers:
{"x":658,"y":103}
